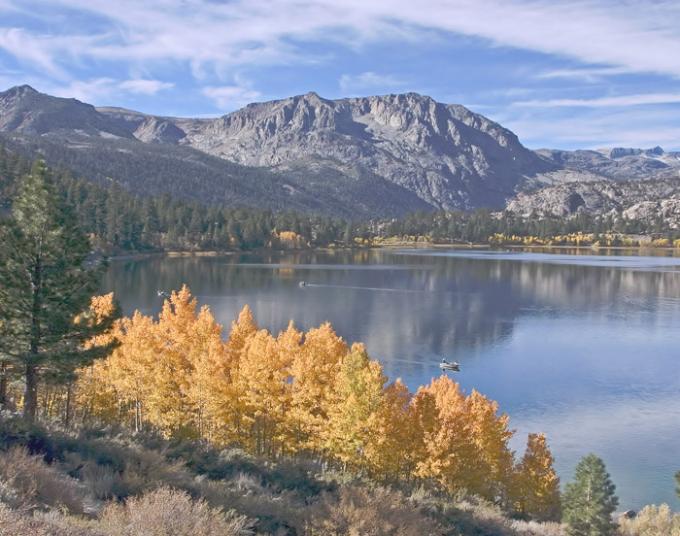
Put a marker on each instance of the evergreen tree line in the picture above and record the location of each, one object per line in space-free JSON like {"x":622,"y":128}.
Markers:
{"x":481,"y":225}
{"x":117,"y":221}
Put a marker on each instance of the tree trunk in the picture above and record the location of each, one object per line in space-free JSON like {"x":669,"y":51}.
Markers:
{"x":67,"y":412}
{"x":4,"y":380}
{"x":31,"y":393}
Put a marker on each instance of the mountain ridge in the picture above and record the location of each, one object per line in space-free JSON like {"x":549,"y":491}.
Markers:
{"x":370,"y":156}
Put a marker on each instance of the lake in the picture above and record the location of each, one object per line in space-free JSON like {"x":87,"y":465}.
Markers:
{"x":584,"y":348}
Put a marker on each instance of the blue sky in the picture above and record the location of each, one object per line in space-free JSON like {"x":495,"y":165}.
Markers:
{"x":577,"y":74}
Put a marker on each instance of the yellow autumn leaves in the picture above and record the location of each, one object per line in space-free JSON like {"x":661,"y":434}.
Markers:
{"x":308,"y":393}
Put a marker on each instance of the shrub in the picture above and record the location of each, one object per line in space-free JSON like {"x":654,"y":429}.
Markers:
{"x":16,"y":432}
{"x":29,"y":483}
{"x":652,"y":521}
{"x":167,"y":512}
{"x":14,"y":524}
{"x":360,"y":511}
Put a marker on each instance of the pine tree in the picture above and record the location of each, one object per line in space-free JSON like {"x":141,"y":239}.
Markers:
{"x":46,"y":284}
{"x":589,"y":501}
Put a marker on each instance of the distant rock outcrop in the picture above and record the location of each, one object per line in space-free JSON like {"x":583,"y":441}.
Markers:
{"x":642,"y":200}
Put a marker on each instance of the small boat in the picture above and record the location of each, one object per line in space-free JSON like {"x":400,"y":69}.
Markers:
{"x":162,"y":294}
{"x":451,"y":367}
{"x":302,"y":284}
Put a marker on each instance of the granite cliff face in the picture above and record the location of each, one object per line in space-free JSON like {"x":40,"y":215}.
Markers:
{"x":445,"y":154}
{"x":357,"y":157}
{"x":644,"y":200}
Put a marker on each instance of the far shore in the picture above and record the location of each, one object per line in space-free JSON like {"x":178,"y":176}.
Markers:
{"x":397,"y":245}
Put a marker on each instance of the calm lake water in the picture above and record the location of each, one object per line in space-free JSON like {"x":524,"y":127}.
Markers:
{"x":584,"y":348}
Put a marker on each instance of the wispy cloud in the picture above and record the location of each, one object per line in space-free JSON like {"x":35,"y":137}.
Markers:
{"x":600,"y":102}
{"x":368,"y":80}
{"x":99,"y":90}
{"x":587,"y":74}
{"x":231,"y":97}
{"x":144,"y":86}
{"x":639,"y":38}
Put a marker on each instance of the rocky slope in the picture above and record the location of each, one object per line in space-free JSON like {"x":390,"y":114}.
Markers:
{"x":643,"y":200}
{"x":448,"y":156}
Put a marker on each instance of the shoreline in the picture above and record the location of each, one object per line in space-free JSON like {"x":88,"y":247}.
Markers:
{"x":396,"y":245}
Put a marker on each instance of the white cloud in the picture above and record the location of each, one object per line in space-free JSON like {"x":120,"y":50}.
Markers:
{"x":90,"y":91}
{"x":104,"y":90}
{"x":231,"y":97}
{"x":31,"y":49}
{"x":594,"y":74}
{"x":145,"y":86}
{"x":639,"y":37}
{"x":600,"y":102}
{"x":368,"y":80}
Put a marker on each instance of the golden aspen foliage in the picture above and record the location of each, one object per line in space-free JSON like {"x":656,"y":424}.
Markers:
{"x":95,"y":396}
{"x":356,"y":401}
{"x":448,"y":452}
{"x":276,"y":396}
{"x":463,"y":441}
{"x":206,"y":354}
{"x":179,"y":344}
{"x":261,"y":381}
{"x":242,"y":328}
{"x":133,"y":368}
{"x":102,"y":309}
{"x":313,"y":373}
{"x":97,"y":399}
{"x":537,"y":484}
{"x":223,"y":409}
{"x":490,"y":435}
{"x":389,"y":453}
{"x":289,"y":343}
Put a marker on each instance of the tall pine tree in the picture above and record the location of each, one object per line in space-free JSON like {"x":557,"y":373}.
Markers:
{"x":46,"y":285}
{"x":589,"y":501}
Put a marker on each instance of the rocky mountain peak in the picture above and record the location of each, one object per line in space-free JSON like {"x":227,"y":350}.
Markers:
{"x":27,"y":111}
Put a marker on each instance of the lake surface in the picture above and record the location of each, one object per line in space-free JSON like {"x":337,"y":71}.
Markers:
{"x":584,"y":348}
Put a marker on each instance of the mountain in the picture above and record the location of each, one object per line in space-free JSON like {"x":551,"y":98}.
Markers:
{"x":142,"y":154}
{"x":24,"y":110}
{"x":355,"y":157}
{"x":372,"y":156}
{"x":445,"y":154}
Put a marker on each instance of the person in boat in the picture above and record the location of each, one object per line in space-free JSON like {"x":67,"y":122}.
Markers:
{"x":162,"y":294}
{"x":445,"y":365}
{"x":302,"y":284}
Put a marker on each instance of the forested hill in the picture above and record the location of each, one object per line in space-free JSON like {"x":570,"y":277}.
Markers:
{"x":118,"y":221}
